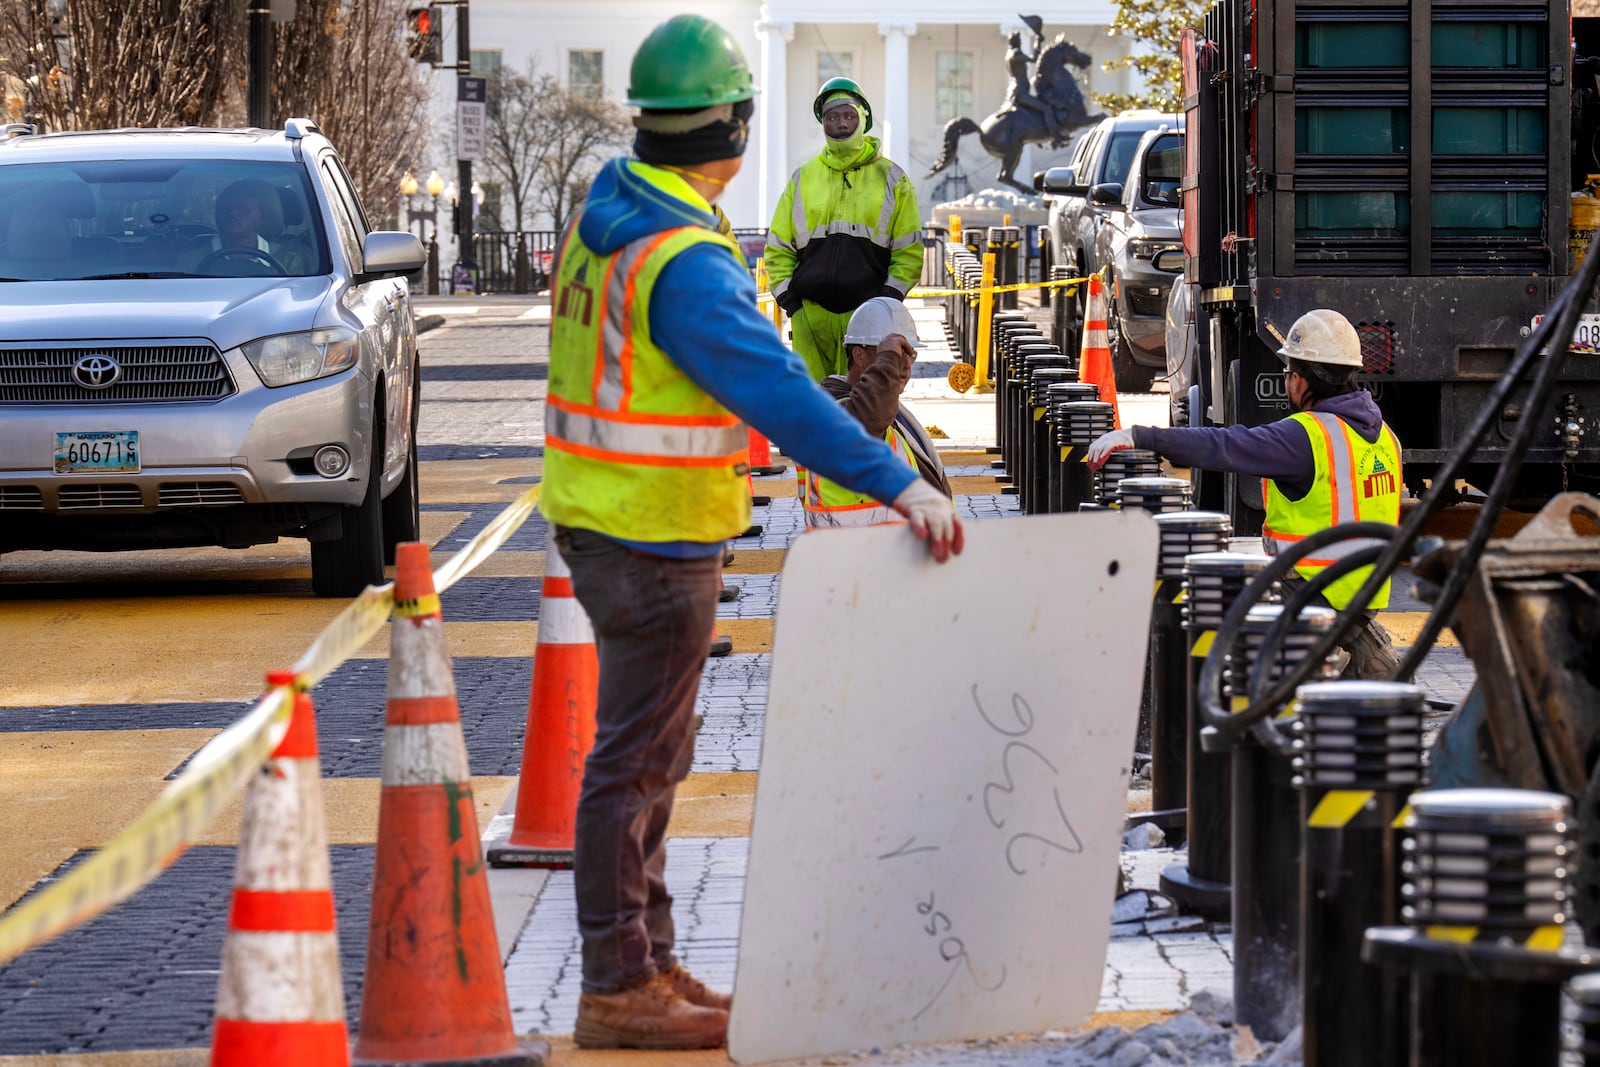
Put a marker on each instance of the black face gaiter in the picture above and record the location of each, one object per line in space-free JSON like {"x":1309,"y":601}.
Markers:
{"x":721,"y":139}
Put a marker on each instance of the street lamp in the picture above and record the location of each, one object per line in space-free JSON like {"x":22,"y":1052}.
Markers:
{"x":435,"y":186}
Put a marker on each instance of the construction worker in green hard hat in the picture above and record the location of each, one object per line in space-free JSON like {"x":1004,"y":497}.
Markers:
{"x":659,"y":355}
{"x":846,"y":229}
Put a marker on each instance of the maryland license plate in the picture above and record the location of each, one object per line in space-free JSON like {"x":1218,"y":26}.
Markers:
{"x":1585,"y":337}
{"x":98,"y":452}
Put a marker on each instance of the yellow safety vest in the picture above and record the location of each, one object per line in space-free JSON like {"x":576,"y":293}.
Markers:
{"x":1356,"y":481}
{"x":634,"y":448}
{"x":830,"y":505}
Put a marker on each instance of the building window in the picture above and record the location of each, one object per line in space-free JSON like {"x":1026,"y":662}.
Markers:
{"x":835,"y":65}
{"x":953,"y":87}
{"x":485,"y":62}
{"x":586,"y":73}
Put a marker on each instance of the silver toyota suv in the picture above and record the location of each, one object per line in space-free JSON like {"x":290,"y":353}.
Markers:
{"x":202,"y":342}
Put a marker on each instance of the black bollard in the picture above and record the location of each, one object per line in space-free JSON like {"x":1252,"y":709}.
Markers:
{"x":1183,"y":534}
{"x":1007,"y":324}
{"x":1035,"y":359}
{"x":1212,"y":582}
{"x":1266,"y":835}
{"x":1358,"y":758}
{"x":1583,"y":1029}
{"x":1153,"y":494}
{"x":1022,"y":345}
{"x":1124,"y":463}
{"x":1485,"y":903}
{"x":1063,"y":393}
{"x":1081,"y":422}
{"x":1043,"y":430}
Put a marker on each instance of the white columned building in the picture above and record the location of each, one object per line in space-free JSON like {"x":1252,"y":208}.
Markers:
{"x":921,"y":63}
{"x":773,"y":131}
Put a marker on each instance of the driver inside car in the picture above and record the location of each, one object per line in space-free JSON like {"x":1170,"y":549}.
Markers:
{"x":248,"y":215}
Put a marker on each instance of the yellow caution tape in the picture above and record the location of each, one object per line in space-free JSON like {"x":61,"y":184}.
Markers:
{"x":1059,"y":283}
{"x":150,"y":844}
{"x":1338,"y":808}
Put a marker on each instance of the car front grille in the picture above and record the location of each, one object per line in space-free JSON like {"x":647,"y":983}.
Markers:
{"x":21,"y":498}
{"x":43,"y":374}
{"x":198,"y":494}
{"x":99,"y":495}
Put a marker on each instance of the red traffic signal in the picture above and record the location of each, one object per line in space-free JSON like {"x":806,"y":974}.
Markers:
{"x":423,"y":38}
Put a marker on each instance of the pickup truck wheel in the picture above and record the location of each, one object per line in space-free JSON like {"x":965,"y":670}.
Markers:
{"x":354,"y":560}
{"x":1129,"y":376}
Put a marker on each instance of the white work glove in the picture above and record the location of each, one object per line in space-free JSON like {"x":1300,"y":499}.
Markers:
{"x":933,"y":518}
{"x":1107,"y":443}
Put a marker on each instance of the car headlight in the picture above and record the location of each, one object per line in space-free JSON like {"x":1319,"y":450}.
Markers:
{"x":288,"y":358}
{"x":1147,"y":247}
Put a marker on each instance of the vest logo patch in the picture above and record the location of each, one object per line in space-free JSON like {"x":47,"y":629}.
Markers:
{"x":1380,"y":481}
{"x":577,"y":299}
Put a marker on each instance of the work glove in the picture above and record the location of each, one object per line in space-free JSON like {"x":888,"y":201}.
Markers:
{"x":891,"y":292}
{"x":933,"y":519}
{"x":1107,"y":443}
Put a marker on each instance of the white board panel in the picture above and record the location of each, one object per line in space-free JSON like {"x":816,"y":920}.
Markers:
{"x":943,"y":784}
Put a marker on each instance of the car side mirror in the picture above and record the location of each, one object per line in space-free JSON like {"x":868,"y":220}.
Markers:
{"x":1038,"y":181}
{"x":1058,"y":180}
{"x":389,"y":253}
{"x":1106,"y":194}
{"x":1163,"y":192}
{"x":1169,"y":260}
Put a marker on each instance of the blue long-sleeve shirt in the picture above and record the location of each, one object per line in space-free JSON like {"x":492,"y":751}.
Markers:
{"x":703,"y":315}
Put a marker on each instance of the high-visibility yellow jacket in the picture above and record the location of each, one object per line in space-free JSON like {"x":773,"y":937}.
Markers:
{"x":634,"y":448}
{"x":1356,"y":481}
{"x":830,"y":505}
{"x":838,"y":238}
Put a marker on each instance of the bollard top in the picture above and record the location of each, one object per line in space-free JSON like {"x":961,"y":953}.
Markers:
{"x":1154,"y":482}
{"x":1386,"y":694}
{"x":1191,"y":520}
{"x":1508,"y":807}
{"x":1314,"y":618}
{"x":1224,"y":562}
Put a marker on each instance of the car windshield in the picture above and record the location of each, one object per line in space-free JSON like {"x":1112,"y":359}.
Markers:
{"x":158,"y":218}
{"x":1119,"y":155}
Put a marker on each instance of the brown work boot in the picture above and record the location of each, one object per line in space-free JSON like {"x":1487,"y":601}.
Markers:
{"x":648,"y":1016}
{"x":695,"y":991}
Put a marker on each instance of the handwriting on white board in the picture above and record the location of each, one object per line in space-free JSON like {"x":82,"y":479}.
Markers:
{"x":939,"y":927}
{"x":1043,"y":836}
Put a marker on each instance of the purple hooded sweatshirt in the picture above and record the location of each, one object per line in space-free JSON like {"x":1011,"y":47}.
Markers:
{"x":1279,"y":450}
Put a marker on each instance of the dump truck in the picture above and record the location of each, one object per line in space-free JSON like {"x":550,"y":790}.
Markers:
{"x":1421,"y":167}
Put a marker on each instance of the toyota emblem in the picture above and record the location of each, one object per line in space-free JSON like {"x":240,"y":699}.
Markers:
{"x":96,"y":372}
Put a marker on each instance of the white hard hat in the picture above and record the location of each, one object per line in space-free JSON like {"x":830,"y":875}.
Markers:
{"x":1322,"y":336}
{"x":877,"y":319}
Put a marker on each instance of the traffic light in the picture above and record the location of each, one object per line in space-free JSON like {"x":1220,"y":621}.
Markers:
{"x":423,"y":42}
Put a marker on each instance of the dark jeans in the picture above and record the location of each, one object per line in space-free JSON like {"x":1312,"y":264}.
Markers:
{"x":652,"y":621}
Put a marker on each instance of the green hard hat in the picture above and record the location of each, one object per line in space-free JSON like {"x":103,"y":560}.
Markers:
{"x":688,"y":62}
{"x":842,"y":85}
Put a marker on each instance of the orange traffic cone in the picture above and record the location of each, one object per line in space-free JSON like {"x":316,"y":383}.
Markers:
{"x":280,"y":998}
{"x":761,"y":454}
{"x":434,"y":992}
{"x":560,"y":732}
{"x":1094,"y":362}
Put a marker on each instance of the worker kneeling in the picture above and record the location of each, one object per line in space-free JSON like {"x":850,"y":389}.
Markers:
{"x":1333,"y":460}
{"x":880,"y":344}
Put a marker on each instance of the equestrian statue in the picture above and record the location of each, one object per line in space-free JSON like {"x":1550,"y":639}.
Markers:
{"x":1047,"y":107}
